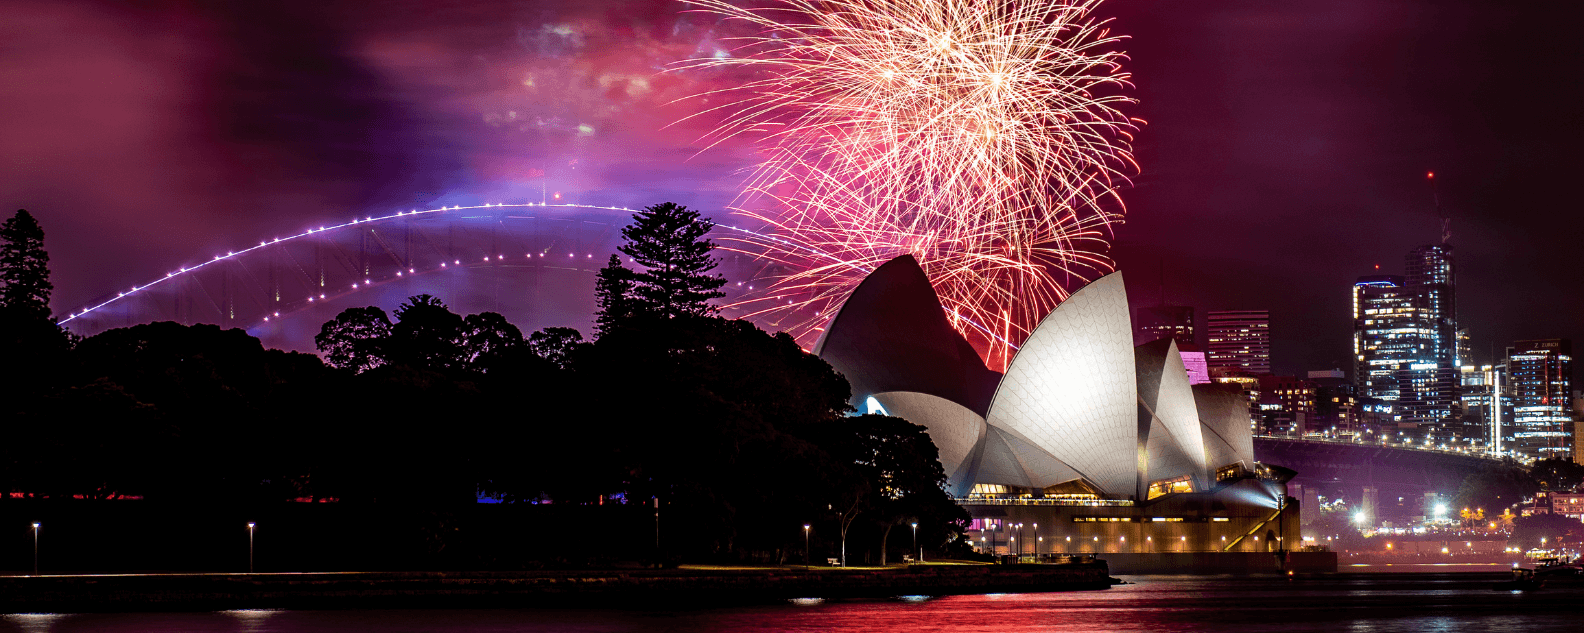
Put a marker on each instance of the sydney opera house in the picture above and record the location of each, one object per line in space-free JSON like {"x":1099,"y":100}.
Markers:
{"x":1086,"y":444}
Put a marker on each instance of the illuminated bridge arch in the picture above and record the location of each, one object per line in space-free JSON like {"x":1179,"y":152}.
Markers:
{"x":534,"y":263}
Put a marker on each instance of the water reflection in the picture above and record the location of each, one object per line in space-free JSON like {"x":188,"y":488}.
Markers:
{"x":33,"y":622}
{"x":252,"y":620}
{"x":1356,"y":603}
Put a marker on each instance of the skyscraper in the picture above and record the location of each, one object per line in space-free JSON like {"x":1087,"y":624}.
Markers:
{"x":1239,"y":341}
{"x":1387,"y":334}
{"x":1539,"y":374}
{"x":1476,"y":392}
{"x":1406,"y":345}
{"x":1430,"y":277}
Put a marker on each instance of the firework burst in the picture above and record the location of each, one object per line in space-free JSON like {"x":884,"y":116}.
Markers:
{"x":982,"y":137}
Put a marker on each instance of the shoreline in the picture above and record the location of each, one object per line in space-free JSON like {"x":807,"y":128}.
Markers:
{"x":670,"y":588}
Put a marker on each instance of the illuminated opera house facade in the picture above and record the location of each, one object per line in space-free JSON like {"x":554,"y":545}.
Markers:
{"x":1104,"y":445}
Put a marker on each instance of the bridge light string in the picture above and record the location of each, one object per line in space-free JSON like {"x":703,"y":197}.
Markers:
{"x":316,"y":230}
{"x":314,"y":299}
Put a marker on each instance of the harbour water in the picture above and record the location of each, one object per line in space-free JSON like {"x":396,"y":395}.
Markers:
{"x":1405,"y":602}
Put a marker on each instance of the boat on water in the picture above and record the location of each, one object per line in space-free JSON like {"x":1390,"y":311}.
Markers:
{"x":1522,"y":580}
{"x":1559,"y":569}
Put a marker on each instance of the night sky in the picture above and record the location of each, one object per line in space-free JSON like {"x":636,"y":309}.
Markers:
{"x":1285,"y":152}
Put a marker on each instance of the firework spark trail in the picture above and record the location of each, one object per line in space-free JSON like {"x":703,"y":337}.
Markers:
{"x":983,"y":137}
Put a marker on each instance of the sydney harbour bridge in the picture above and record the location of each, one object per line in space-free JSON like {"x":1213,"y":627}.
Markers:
{"x":535,"y":264}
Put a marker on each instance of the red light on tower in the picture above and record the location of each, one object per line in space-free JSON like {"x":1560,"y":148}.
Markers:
{"x":1430,"y":175}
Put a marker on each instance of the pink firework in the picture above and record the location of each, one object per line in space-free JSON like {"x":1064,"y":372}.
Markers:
{"x":984,"y":138}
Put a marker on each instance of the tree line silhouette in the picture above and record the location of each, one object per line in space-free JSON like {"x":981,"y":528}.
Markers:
{"x":678,"y":434}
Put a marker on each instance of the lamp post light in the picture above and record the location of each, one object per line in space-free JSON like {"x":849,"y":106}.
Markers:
{"x":35,"y":547}
{"x":805,"y":547}
{"x":1019,"y":553}
{"x":916,"y":545}
{"x":251,"y":525}
{"x":1037,"y":541}
{"x":841,"y":523}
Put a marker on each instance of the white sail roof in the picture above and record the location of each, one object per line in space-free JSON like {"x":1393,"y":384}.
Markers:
{"x":1071,"y":388}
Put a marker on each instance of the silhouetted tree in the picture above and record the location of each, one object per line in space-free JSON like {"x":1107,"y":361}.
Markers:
{"x":667,"y":243}
{"x":1557,"y":474}
{"x":427,"y":335}
{"x":228,"y":407}
{"x":1557,"y":530}
{"x":355,"y":339}
{"x":24,"y":266}
{"x":27,"y":332}
{"x":613,"y":292}
{"x":94,"y":441}
{"x":899,"y":472}
{"x":486,"y":337}
{"x":1495,"y":487}
{"x":741,"y":433}
{"x":556,"y":344}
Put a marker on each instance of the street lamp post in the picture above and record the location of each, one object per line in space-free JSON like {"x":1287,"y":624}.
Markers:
{"x":841,"y":523}
{"x":805,"y":547}
{"x":251,"y":525}
{"x":916,"y":545}
{"x":35,"y":547}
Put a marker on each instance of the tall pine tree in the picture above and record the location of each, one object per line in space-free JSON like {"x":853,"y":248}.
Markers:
{"x":613,"y":287}
{"x":667,"y":243}
{"x":24,"y":267}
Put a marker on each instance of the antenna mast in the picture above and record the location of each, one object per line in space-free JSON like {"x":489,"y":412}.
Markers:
{"x":1446,"y":222}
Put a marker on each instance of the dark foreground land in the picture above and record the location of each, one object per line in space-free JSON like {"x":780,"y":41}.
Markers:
{"x":179,"y":592}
